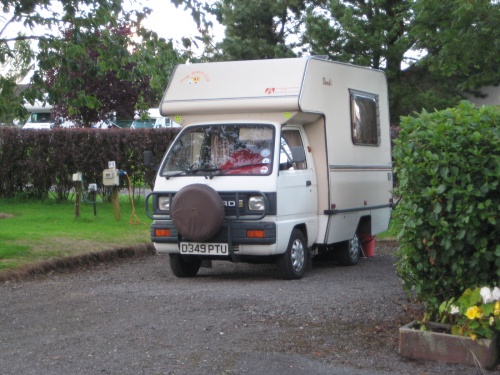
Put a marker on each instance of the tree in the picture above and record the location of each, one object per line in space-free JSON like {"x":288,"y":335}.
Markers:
{"x":91,"y":76}
{"x":257,"y":29}
{"x":462,"y":39}
{"x":70,"y":35}
{"x":386,"y":33}
{"x":367,"y":33}
{"x":37,"y":21}
{"x":254,"y":29}
{"x":456,"y":40}
{"x":10,"y":101}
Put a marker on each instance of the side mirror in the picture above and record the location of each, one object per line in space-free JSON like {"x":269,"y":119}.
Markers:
{"x":298,"y":154}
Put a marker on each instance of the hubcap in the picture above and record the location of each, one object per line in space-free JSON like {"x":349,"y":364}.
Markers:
{"x":354,"y":247}
{"x":298,"y":255}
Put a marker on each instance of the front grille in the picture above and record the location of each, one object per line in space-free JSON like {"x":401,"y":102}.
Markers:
{"x":235,"y":205}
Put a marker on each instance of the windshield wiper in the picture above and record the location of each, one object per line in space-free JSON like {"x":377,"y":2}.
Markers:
{"x":193,"y":171}
{"x":221,"y":171}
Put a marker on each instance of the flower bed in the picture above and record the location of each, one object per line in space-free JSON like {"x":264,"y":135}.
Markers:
{"x":438,"y":344}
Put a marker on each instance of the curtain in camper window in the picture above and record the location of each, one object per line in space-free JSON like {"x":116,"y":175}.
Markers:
{"x":365,"y":118}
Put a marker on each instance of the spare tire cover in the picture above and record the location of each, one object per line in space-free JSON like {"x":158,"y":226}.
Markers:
{"x":197,"y":212}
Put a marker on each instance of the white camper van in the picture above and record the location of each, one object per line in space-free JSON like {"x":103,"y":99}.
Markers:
{"x":277,"y":160}
{"x":40,"y":117}
{"x":160,"y":121}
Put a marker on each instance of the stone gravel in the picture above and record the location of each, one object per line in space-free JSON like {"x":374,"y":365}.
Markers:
{"x":134,"y":317}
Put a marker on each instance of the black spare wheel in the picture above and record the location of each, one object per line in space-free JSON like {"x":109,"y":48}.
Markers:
{"x":197,"y":212}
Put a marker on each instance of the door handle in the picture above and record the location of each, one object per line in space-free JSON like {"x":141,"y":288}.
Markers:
{"x":308,"y":183}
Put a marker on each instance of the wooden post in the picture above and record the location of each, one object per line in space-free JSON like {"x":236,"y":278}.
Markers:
{"x":78,"y":198}
{"x":94,"y":202}
{"x":116,"y":203}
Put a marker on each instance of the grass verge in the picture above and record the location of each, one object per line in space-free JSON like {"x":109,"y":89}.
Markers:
{"x":34,"y":232}
{"x":36,"y":237}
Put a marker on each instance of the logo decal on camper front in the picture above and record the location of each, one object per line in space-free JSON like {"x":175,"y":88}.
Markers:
{"x":196,"y":77}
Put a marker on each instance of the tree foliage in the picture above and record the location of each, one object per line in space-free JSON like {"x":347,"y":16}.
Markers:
{"x":367,"y":33}
{"x":90,"y":76}
{"x":431,"y":50}
{"x":457,"y":41}
{"x":462,"y":38}
{"x":258,"y":29}
{"x":91,"y":56}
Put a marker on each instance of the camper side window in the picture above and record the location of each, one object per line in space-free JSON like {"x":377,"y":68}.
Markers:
{"x":289,"y":140}
{"x":365,"y":118}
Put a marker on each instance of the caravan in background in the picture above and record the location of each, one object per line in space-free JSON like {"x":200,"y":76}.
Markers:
{"x":40,"y":117}
{"x":160,"y":121}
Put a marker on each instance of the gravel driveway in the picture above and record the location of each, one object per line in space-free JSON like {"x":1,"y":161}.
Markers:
{"x":134,"y":317}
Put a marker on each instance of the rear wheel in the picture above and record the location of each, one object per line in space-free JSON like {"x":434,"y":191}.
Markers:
{"x":182,"y":267}
{"x":293,"y":263}
{"x":348,"y":252}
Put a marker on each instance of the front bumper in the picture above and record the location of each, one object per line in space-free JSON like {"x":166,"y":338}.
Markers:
{"x":232,"y":233}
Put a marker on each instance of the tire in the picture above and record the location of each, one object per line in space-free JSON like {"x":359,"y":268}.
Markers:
{"x":197,"y":212}
{"x":348,"y":252}
{"x":293,"y":263}
{"x":184,"y":268}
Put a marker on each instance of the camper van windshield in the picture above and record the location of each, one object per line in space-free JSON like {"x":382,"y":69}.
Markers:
{"x":39,"y":117}
{"x":214,"y":150}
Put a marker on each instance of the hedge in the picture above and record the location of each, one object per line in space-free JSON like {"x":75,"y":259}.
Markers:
{"x":448,"y":165}
{"x":40,"y":163}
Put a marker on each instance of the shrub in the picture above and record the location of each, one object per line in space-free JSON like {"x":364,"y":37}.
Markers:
{"x":448,"y":165}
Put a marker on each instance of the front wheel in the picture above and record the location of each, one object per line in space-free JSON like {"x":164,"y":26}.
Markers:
{"x":182,"y":267}
{"x":292,"y":264}
{"x":348,"y":253}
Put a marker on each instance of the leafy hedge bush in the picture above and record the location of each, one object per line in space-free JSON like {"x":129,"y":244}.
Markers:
{"x":40,"y":162}
{"x":448,"y":165}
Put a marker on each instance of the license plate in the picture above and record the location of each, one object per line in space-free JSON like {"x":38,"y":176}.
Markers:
{"x":197,"y":248}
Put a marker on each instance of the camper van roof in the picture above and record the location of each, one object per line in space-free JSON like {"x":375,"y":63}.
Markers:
{"x":264,"y":86}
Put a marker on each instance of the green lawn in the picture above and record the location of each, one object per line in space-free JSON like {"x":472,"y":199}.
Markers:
{"x":35,"y":231}
{"x":392,"y":232}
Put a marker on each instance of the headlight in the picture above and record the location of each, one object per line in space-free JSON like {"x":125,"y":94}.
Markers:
{"x":164,"y":203}
{"x":256,"y":203}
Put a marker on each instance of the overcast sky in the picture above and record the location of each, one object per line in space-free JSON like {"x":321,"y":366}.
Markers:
{"x":171,"y":22}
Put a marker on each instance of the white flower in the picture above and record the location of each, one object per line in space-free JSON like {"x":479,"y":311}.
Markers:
{"x":454,"y":309}
{"x":486,"y":294}
{"x":496,"y":293}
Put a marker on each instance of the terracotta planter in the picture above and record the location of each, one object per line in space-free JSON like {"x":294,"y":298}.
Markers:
{"x":445,"y":347}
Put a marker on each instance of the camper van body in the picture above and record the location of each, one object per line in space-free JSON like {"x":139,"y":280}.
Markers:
{"x":161,"y":121}
{"x":40,"y":117}
{"x":317,"y":174}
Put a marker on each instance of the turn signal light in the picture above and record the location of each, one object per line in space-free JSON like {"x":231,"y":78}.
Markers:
{"x":162,"y":232}
{"x":256,"y":233}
